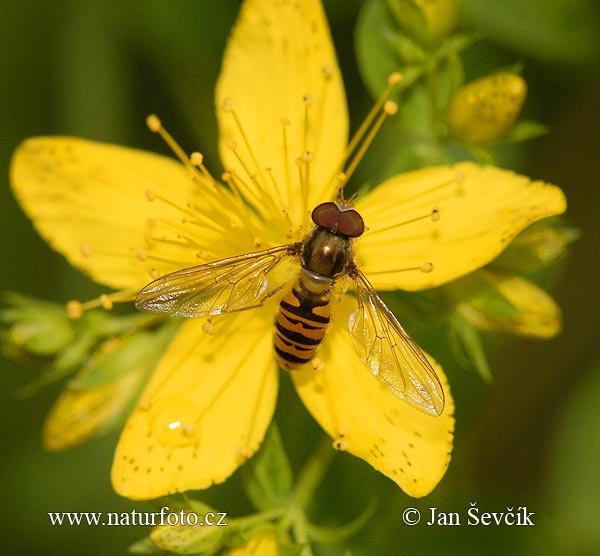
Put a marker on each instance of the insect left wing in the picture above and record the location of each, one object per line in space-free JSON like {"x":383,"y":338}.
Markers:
{"x":391,"y":354}
{"x":217,"y":287}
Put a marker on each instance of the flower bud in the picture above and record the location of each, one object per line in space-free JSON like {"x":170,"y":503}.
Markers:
{"x":103,"y":390}
{"x":34,"y":328}
{"x":506,"y":303}
{"x":429,"y":22}
{"x":539,"y":245}
{"x":484,"y":110}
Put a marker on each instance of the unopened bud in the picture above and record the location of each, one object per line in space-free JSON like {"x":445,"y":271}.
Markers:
{"x":484,"y":110}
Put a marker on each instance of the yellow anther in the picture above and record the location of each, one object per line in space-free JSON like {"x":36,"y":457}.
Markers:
{"x":244,"y":452}
{"x":390,"y":107}
{"x":196,"y":158}
{"x":74,"y":309}
{"x":307,"y":156}
{"x":150,"y":195}
{"x":106,"y":302}
{"x":427,"y":267}
{"x":86,"y":250}
{"x":340,"y":444}
{"x":395,"y":78}
{"x":154,"y":124}
{"x":318,"y":364}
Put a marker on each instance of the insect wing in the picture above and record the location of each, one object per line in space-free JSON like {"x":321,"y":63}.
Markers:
{"x":391,"y":354}
{"x":217,"y":287}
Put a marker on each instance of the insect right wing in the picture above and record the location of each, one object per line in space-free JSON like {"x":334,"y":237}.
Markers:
{"x":391,"y":354}
{"x":222,"y":286}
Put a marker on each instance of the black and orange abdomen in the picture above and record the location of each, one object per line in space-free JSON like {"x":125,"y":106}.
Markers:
{"x":301,"y":325}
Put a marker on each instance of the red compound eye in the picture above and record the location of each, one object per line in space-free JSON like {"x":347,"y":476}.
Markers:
{"x":326,"y":215}
{"x":346,"y":222}
{"x":351,"y":223}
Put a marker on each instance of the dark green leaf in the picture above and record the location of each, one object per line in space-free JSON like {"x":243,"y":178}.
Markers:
{"x":268,"y":475}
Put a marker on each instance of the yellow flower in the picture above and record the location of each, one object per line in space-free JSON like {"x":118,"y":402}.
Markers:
{"x":484,"y":110}
{"x":125,"y":216}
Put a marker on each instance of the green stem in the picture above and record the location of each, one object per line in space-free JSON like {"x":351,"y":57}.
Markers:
{"x":313,"y":472}
{"x":430,"y":80}
{"x":308,"y":481}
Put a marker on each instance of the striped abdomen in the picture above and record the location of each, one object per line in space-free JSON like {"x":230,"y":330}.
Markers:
{"x":301,"y":325}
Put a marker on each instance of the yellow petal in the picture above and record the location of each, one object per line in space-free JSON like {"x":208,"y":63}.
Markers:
{"x":264,"y":543}
{"x":118,"y":213}
{"x":279,"y":53}
{"x":411,"y":448}
{"x":481,"y":208}
{"x":205,"y":410}
{"x":535,"y":312}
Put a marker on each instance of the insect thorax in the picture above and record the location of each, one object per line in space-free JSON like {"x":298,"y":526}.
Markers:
{"x":326,"y":253}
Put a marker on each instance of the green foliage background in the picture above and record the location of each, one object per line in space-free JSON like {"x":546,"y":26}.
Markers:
{"x":531,"y":439}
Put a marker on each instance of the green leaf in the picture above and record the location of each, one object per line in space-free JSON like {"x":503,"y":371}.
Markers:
{"x":539,"y":245}
{"x":525,"y":130}
{"x":267,"y":476}
{"x":339,"y":535}
{"x":470,"y":342}
{"x":375,"y":45}
{"x":573,"y":484}
{"x":141,"y":348}
{"x":144,"y":546}
{"x":557,"y":31}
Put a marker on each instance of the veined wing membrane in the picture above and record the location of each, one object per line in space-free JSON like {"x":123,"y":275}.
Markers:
{"x":217,"y":287}
{"x":391,"y":354}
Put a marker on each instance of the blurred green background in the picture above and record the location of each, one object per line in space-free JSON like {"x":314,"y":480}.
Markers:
{"x":531,"y":439}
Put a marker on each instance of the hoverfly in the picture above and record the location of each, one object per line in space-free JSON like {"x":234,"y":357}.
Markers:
{"x":325,"y":256}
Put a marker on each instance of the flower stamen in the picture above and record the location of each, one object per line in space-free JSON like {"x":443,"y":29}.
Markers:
{"x":393,"y":80}
{"x":433,"y":215}
{"x":285,"y":122}
{"x":303,"y":163}
{"x":389,"y":109}
{"x":257,"y":195}
{"x":228,"y":108}
{"x":308,"y":102}
{"x":327,"y":73}
{"x":155,"y":126}
{"x":76,"y":308}
{"x":425,"y":268}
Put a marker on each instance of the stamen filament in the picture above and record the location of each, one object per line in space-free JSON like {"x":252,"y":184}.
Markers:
{"x":307,"y":104}
{"x":434,"y":216}
{"x":390,"y":108}
{"x":76,"y":308}
{"x":284,"y":123}
{"x":228,"y":107}
{"x":327,"y":74}
{"x":155,"y":197}
{"x":155,"y":125}
{"x":393,"y":80}
{"x":425,"y":268}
